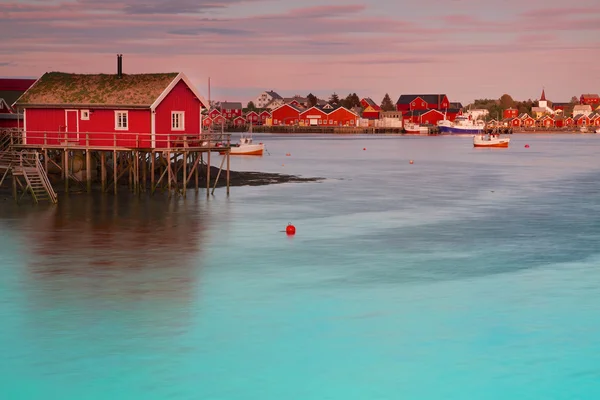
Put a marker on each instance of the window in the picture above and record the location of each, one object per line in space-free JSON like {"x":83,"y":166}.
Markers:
{"x":330,"y":122}
{"x":121,"y":121}
{"x":177,"y":120}
{"x":85,"y":115}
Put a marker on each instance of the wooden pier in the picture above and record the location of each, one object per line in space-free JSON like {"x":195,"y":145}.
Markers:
{"x":85,"y":162}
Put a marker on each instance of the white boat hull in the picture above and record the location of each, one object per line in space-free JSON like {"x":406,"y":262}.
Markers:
{"x":486,"y":141}
{"x":248,"y":149}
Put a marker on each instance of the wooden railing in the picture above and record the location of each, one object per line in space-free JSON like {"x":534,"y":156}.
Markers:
{"x":128,"y":140}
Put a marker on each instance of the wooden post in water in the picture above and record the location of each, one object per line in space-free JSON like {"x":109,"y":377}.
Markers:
{"x":88,"y":169}
{"x":196,"y":170}
{"x":115,"y":170}
{"x":152,"y":156}
{"x":103,"y":170}
{"x":228,"y":154}
{"x":185,"y":166}
{"x":208,"y":173}
{"x":144,"y":170}
{"x":66,"y":170}
{"x":169,"y":172}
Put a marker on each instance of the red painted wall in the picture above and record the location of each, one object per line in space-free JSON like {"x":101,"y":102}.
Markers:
{"x":181,"y":98}
{"x":432,"y":117}
{"x":285,"y":115}
{"x":10,"y":123}
{"x":313,"y":111}
{"x":343,"y":117}
{"x":100,"y":128}
{"x":510,"y":113}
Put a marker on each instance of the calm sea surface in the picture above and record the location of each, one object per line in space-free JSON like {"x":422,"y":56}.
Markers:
{"x":470,"y":274}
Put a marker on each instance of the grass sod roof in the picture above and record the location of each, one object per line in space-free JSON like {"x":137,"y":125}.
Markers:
{"x":58,"y":88}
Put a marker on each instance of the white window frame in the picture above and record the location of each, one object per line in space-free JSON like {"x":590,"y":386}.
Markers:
{"x":85,"y":115}
{"x":121,"y":128}
{"x":181,"y":121}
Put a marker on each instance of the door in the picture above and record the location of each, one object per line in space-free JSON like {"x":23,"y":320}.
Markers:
{"x":72,"y":125}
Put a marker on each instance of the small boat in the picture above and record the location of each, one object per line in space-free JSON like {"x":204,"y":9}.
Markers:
{"x":246,"y":147}
{"x":490,"y":140}
{"x":461,"y":125}
{"x":415,"y":129}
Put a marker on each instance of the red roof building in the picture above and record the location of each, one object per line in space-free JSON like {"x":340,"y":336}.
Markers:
{"x":263,"y":116}
{"x":341,"y":116}
{"x":314,"y":116}
{"x":285,"y":114}
{"x":590,"y":99}
{"x":408,"y":102}
{"x":510,"y":113}
{"x":370,"y":109}
{"x":252,"y":117}
{"x":122,"y":110}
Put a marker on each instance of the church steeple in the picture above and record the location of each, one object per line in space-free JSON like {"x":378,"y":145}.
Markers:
{"x":543,"y":98}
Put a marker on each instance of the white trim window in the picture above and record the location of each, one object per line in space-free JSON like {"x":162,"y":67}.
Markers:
{"x":177,"y":120}
{"x":85,"y":115}
{"x":121,"y":120}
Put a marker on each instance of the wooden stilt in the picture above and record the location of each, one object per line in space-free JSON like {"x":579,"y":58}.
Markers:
{"x":228,"y":154}
{"x":169,"y":179}
{"x":196,"y":170}
{"x":115,"y":170}
{"x":185,"y":156}
{"x":144,"y":170}
{"x":103,"y":170}
{"x":88,"y":169}
{"x":66,"y":170}
{"x":46,"y":160}
{"x":152,"y":156}
{"x":208,"y":174}
{"x":218,"y":175}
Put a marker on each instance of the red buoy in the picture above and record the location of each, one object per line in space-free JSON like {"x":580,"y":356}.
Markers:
{"x":290,"y":229}
{"x":288,"y":154}
{"x":526,"y":146}
{"x":364,"y":148}
{"x":411,"y":162}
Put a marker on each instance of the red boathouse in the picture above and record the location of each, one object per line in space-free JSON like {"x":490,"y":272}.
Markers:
{"x":122,"y":110}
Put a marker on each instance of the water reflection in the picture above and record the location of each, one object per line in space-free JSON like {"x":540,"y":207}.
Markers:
{"x":131,"y":248}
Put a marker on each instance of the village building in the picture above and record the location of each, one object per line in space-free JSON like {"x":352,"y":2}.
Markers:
{"x":314,"y":116}
{"x":582,"y":109}
{"x":513,"y":122}
{"x":231,"y":110}
{"x":370,"y":109}
{"x":545,"y":121}
{"x":285,"y":114}
{"x":265,"y":98}
{"x":128,"y":110}
{"x":543,"y":107}
{"x":341,"y":116}
{"x":595,"y":119}
{"x":424,"y":117}
{"x":590,"y":99}
{"x":581,"y":120}
{"x":297,"y":101}
{"x":10,"y":91}
{"x":263,"y":116}
{"x":214,"y":113}
{"x":239,"y":121}
{"x":409,"y":102}
{"x":510,"y":113}
{"x":207,"y":122}
{"x":527,"y":121}
{"x":252,"y":117}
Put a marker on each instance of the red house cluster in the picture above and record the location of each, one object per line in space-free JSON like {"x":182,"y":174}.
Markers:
{"x":427,"y":108}
{"x":122,"y":110}
{"x":288,"y":114}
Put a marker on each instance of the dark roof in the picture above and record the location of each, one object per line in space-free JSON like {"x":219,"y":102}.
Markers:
{"x":456,"y":105}
{"x":589,"y":96}
{"x":429,"y":98}
{"x":370,"y":102}
{"x":274,"y":95}
{"x":233,"y":105}
{"x":11,"y":116}
{"x":58,"y":88}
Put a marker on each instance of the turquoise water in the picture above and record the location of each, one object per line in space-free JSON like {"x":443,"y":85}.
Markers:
{"x":470,"y":274}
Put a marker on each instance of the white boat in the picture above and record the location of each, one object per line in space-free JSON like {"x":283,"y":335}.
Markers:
{"x":490,"y":140}
{"x":415,"y":129}
{"x":461,"y":125}
{"x":246,"y":147}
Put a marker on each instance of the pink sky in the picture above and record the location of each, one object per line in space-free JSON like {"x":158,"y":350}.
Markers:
{"x":466,"y":49}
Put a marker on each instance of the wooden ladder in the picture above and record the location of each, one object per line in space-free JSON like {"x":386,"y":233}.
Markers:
{"x":38,"y":184}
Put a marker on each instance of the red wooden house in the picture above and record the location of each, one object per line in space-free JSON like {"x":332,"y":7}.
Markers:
{"x":252,"y":117}
{"x":214,"y":113}
{"x":425,"y":117}
{"x":219,"y":120}
{"x":10,"y":91}
{"x":121,"y":110}
{"x":239,"y":121}
{"x":510,"y":113}
{"x":408,"y":102}
{"x":314,"y":116}
{"x":513,"y":122}
{"x":546,"y":122}
{"x":207,"y":122}
{"x":590,"y":99}
{"x":564,"y":122}
{"x":341,"y":116}
{"x":370,"y":109}
{"x":527,"y":121}
{"x":285,"y":114}
{"x":595,"y":119}
{"x":582,"y":120}
{"x":231,"y":110}
{"x":263,"y":116}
